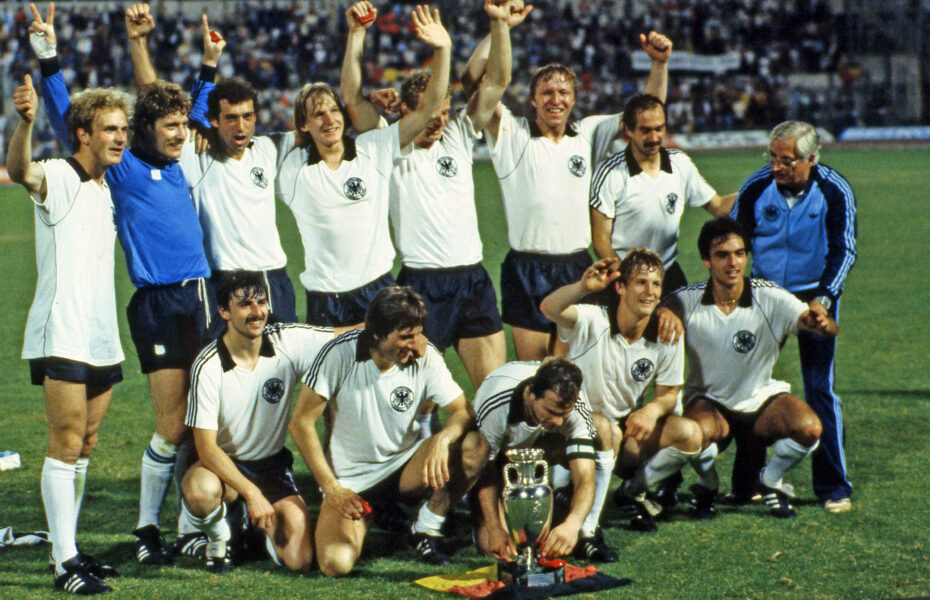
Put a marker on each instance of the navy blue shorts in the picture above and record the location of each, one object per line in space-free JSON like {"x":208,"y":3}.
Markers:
{"x":170,"y":324}
{"x":528,"y":277}
{"x":63,"y":369}
{"x":273,"y":475}
{"x":460,"y":302}
{"x":282,"y":303}
{"x":338,"y":309}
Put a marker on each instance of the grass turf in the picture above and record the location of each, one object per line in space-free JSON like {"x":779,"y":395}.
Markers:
{"x":879,"y":550}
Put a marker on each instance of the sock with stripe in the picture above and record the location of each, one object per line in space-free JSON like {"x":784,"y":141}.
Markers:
{"x":214,"y":526}
{"x":57,"y":486}
{"x":787,"y":453}
{"x":155,"y":479}
{"x":604,"y":461}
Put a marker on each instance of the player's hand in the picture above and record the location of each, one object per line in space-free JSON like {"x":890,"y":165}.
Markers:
{"x":599,"y":275}
{"x":25,"y":100}
{"x":355,"y":14}
{"x":641,"y":423}
{"x":387,"y":99}
{"x":670,"y":326}
{"x":436,"y":463}
{"x":518,"y":13}
{"x":42,"y":32}
{"x":657,"y":46}
{"x":559,"y":541}
{"x":428,"y":27}
{"x":139,"y":21}
{"x":261,"y":513}
{"x":213,"y":43}
{"x":200,"y":140}
{"x":347,"y":502}
{"x":497,"y":10}
{"x":500,"y":544}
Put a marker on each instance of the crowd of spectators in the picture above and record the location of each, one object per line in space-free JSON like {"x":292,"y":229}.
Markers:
{"x":278,"y":46}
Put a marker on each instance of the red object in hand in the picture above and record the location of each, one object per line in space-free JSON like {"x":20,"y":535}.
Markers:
{"x":215,"y":36}
{"x":366,"y":18}
{"x":366,"y":508}
{"x":552,"y":563}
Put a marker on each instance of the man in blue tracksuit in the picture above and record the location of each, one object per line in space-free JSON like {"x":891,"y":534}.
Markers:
{"x":801,"y":217}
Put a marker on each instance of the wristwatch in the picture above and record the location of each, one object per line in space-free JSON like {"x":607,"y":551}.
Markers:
{"x":825,"y":300}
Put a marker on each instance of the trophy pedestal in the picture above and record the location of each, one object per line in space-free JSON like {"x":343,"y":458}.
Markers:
{"x":537,"y":576}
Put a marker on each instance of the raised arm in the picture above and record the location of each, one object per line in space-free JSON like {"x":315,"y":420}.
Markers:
{"x":558,"y":306}
{"x":659,"y":48}
{"x":362,"y":112}
{"x":54,"y":91}
{"x":482,"y":104}
{"x":213,"y":44}
{"x":139,"y":23}
{"x":429,"y":29}
{"x":308,"y":410}
{"x":19,"y":163}
{"x":477,"y":63}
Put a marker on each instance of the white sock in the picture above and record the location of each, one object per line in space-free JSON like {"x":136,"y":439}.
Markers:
{"x":787,"y":453}
{"x":665,"y":463}
{"x":703,"y":465}
{"x":425,"y":429}
{"x":185,"y":523}
{"x":604,"y":462}
{"x":80,"y":478}
{"x":214,"y":525}
{"x":155,"y":479}
{"x":428,"y":522}
{"x":57,"y":485}
{"x":561,"y":476}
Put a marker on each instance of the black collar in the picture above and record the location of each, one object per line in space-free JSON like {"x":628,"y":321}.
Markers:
{"x":517,"y":413}
{"x":665,"y":162}
{"x":570,"y":129}
{"x":226,"y":360}
{"x":651,"y":333}
{"x":363,"y":345}
{"x":348,"y":146}
{"x":82,"y":174}
{"x":745,"y":299}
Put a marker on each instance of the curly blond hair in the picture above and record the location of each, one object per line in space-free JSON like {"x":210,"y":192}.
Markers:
{"x":84,"y":107}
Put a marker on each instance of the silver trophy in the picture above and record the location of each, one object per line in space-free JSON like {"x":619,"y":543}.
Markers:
{"x":527,"y":502}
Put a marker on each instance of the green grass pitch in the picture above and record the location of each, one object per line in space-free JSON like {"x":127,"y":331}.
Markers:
{"x":879,"y":550}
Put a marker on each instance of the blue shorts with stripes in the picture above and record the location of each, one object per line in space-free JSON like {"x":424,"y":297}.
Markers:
{"x":338,"y":309}
{"x":282,"y":302}
{"x":63,"y":369}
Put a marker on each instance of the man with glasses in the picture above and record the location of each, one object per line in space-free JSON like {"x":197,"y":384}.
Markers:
{"x":796,"y":195}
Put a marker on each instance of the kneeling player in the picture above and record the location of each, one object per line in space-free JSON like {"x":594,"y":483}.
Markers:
{"x":371,"y":382}
{"x":743,"y":323}
{"x":241,"y":386}
{"x":618,"y":348}
{"x":525,"y":405}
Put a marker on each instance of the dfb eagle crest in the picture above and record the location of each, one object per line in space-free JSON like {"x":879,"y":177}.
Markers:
{"x":401,"y":398}
{"x":257,"y":175}
{"x":354,"y":188}
{"x":770,"y":212}
{"x":642,"y":369}
{"x":577,"y":165}
{"x":446,"y":166}
{"x":670,"y":202}
{"x":744,"y":341}
{"x":273,"y":390}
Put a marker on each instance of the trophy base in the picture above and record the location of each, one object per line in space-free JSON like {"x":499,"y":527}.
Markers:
{"x":538,"y":576}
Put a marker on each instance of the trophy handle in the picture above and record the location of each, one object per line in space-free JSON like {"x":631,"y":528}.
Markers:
{"x":541,"y":473}
{"x":511,"y":477}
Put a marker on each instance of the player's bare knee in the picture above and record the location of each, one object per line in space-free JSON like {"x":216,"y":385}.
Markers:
{"x":337,"y":560}
{"x":807,"y":430}
{"x":202,"y":491}
{"x":688,"y":435}
{"x":90,"y":442}
{"x":475,"y":454}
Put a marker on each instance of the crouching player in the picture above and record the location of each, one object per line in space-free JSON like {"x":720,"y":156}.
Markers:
{"x":528,"y":405}
{"x":239,"y":406}
{"x":743,"y":323}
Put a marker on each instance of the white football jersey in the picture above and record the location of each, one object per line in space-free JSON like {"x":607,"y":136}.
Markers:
{"x":73,"y":313}
{"x":371,"y":413}
{"x":617,"y":374}
{"x":545,"y":185}
{"x":342,"y":214}
{"x":235,"y":200}
{"x":433,"y":200}
{"x":743,"y":345}
{"x":501,"y":419}
{"x":647,"y":211}
{"x":250,"y":410}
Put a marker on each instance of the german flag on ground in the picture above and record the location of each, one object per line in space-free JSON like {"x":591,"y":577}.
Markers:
{"x":483,"y":583}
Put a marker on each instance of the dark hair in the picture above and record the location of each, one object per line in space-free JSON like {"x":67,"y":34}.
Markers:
{"x":414,"y":86}
{"x":250,"y":283}
{"x":717,"y":230}
{"x":561,"y":377}
{"x":547,"y":72}
{"x":154,"y":102}
{"x":638,"y":104}
{"x":638,"y":259}
{"x":232,"y":90}
{"x":394,"y":308}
